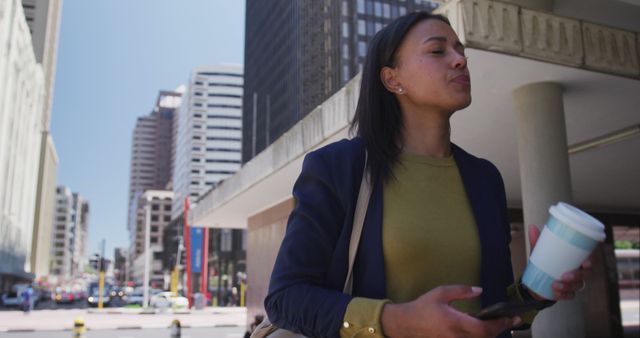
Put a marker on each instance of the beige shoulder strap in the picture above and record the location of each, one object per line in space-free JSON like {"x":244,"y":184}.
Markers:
{"x":358,"y":222}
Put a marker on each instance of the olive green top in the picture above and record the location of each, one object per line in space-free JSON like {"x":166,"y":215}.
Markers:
{"x":429,"y":239}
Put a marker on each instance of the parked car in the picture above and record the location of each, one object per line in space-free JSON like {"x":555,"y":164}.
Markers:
{"x":64,"y":297}
{"x":11,"y":299}
{"x":135,"y":297}
{"x":94,"y":299}
{"x":14,"y":298}
{"x":168,"y":299}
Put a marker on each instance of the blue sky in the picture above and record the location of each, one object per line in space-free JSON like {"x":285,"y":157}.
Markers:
{"x":113,"y":58}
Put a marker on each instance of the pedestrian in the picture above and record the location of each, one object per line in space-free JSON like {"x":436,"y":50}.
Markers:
{"x":27,"y":299}
{"x":434,"y":248}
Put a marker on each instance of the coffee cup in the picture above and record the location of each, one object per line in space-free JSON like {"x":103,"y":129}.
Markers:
{"x":567,"y":239}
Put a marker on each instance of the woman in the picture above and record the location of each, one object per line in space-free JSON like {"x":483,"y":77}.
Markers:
{"x":435,"y":242}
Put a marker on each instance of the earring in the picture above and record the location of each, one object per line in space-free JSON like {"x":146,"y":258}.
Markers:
{"x":400,"y":90}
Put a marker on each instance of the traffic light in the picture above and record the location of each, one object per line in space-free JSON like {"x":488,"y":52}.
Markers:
{"x":183,"y":258}
{"x":94,"y":261}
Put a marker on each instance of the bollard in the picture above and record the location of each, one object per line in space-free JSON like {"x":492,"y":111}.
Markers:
{"x":79,"y":329}
{"x":176,"y":329}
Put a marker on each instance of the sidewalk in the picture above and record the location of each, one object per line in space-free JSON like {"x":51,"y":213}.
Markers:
{"x":118,"y":318}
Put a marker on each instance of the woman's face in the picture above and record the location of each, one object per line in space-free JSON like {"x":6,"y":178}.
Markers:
{"x":431,"y":70}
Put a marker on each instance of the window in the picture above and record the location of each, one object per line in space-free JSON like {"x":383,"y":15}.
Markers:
{"x":154,"y":228}
{"x":197,"y":104}
{"x":378,"y":8}
{"x":361,"y":6}
{"x":167,"y":207}
{"x":167,"y":218}
{"x":197,"y":115}
{"x":154,"y":218}
{"x":386,"y":11}
{"x":362,"y":27}
{"x":154,"y":240}
{"x":345,"y":8}
{"x":199,"y":83}
{"x":224,"y":95}
{"x":403,"y":11}
{"x":378,"y":26}
{"x":197,"y":94}
{"x":362,"y":48}
{"x":345,"y":51}
{"x":225,"y":240}
{"x":345,"y":29}
{"x":155,"y":207}
{"x":345,"y":73}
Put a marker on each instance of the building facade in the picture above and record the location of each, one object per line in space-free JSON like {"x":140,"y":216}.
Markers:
{"x":43,"y":19}
{"x":22,"y":95}
{"x":120,"y":272}
{"x":69,"y":235}
{"x":298,"y":53}
{"x":208,"y":132}
{"x":158,"y":204}
{"x":151,"y":155}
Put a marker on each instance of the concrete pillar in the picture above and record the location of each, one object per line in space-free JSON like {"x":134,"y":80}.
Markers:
{"x":545,"y":180}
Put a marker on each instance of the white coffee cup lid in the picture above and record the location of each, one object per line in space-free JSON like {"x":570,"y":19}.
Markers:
{"x":578,"y":220}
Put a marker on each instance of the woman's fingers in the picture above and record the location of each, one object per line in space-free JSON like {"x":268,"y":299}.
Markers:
{"x":534,"y":234}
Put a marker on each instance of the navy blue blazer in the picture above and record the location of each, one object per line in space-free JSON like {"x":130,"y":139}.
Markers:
{"x":305,"y":292}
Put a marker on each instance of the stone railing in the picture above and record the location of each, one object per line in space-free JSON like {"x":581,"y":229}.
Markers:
{"x":511,"y":29}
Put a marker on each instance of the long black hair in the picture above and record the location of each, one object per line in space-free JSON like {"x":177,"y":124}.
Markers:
{"x":378,"y":119}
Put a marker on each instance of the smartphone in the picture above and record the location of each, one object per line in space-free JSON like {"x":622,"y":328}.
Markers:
{"x":508,"y":309}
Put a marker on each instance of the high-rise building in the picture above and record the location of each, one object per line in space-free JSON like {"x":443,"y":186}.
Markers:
{"x":159,"y":208}
{"x":151,"y":153}
{"x":298,"y":53}
{"x":43,"y":19}
{"x":120,"y":265}
{"x":209,"y":131}
{"x":70,"y":234}
{"x":21,"y":106}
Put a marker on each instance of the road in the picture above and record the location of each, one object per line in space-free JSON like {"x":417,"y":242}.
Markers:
{"x":200,"y":332}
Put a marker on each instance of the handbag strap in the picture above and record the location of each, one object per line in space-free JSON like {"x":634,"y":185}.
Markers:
{"x":358,"y":222}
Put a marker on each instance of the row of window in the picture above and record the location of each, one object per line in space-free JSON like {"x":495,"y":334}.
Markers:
{"x":197,"y":126}
{"x":224,"y":150}
{"x":235,"y":96}
{"x":197,"y":115}
{"x":215,"y":84}
{"x":217,"y":138}
{"x":155,"y":218}
{"x":378,"y":8}
{"x":212,"y":105}
{"x":209,"y":160}
{"x":213,"y":172}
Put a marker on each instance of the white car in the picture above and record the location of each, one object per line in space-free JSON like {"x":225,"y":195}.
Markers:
{"x":164,"y":300}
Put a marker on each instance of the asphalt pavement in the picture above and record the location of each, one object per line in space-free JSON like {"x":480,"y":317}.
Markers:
{"x":119,"y":318}
{"x":201,"y":332}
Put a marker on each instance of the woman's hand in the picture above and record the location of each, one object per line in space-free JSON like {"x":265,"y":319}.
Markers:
{"x":431,"y":315}
{"x":571,"y":282}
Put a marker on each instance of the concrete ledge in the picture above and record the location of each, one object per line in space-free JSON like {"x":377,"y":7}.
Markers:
{"x":511,"y":29}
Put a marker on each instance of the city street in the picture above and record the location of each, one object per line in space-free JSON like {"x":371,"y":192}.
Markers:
{"x":227,"y":320}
